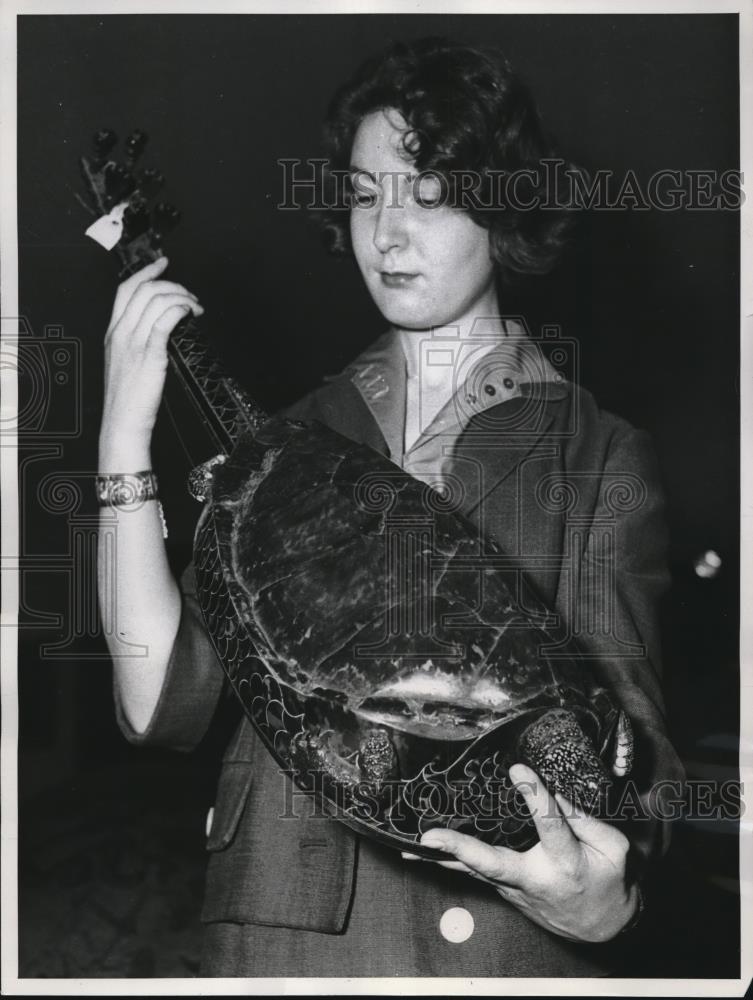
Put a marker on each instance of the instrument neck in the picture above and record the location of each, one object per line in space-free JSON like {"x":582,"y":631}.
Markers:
{"x":227,"y":409}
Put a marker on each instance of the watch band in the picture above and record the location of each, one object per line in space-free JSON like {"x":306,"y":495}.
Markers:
{"x":129,"y":489}
{"x":122,"y":489}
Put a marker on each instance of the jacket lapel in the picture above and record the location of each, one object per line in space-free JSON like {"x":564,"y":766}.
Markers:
{"x":496,"y":442}
{"x":339,"y":405}
{"x":500,"y":461}
{"x":379,"y":378}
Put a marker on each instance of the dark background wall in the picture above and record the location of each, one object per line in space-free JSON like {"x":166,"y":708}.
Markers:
{"x":651,"y":297}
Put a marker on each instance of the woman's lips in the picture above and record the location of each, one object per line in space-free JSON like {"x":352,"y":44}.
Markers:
{"x":396,"y":279}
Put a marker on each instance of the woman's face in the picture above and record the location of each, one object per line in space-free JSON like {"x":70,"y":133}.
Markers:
{"x":424,"y":266}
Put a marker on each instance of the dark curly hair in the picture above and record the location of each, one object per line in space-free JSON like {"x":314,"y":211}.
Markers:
{"x":469,"y":113}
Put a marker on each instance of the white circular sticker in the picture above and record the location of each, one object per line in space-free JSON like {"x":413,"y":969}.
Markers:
{"x":456,"y":925}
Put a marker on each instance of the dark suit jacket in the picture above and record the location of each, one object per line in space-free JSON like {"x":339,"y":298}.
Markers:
{"x":573,"y":491}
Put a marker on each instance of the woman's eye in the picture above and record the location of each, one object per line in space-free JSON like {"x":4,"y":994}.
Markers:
{"x":427,"y":191}
{"x":363,"y":199}
{"x":360,"y":192}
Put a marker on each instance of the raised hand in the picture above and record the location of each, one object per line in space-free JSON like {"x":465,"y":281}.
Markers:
{"x":145,"y":312}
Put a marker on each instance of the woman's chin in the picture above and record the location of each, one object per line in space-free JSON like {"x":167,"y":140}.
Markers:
{"x":411,"y":319}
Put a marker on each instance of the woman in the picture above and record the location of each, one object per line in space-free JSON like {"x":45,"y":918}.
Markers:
{"x":426,"y":131}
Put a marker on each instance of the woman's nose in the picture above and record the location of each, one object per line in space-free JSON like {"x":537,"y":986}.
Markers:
{"x":390,"y":228}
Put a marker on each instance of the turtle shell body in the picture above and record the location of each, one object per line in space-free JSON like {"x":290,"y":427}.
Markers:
{"x":379,"y":646}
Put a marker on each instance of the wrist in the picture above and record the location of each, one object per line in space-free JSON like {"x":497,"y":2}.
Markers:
{"x":129,"y":491}
{"x":120,"y":453}
{"x":613,"y":924}
{"x":638,"y":906}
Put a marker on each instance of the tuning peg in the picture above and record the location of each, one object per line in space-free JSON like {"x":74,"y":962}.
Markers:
{"x":166,"y":217}
{"x":135,"y":144}
{"x":150,"y":181}
{"x":119,"y":182}
{"x":135,"y":219}
{"x":103,"y":142}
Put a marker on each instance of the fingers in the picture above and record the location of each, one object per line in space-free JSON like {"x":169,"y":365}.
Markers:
{"x":155,"y":323}
{"x":556,"y":836}
{"x":129,"y":286}
{"x":606,"y":839}
{"x":134,"y":294}
{"x":166,"y":321}
{"x":134,"y":323}
{"x":456,"y":866}
{"x":476,"y":857}
{"x":161,"y":316}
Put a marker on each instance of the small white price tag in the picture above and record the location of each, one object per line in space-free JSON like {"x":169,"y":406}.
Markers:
{"x":108,"y":229}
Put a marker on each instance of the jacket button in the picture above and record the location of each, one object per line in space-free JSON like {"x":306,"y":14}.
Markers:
{"x":210,"y":821}
{"x":456,"y":925}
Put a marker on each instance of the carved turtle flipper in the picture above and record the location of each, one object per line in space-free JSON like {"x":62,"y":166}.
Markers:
{"x":557,"y":748}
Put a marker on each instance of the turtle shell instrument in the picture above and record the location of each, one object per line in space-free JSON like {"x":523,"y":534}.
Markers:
{"x":390,"y":669}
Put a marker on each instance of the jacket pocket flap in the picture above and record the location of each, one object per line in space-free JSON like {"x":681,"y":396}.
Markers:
{"x":232,"y":794}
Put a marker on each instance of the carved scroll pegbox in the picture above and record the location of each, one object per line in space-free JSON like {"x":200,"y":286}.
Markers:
{"x":122,"y":199}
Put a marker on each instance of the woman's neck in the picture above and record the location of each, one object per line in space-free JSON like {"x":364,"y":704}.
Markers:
{"x":483,"y":324}
{"x":435,"y":364}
